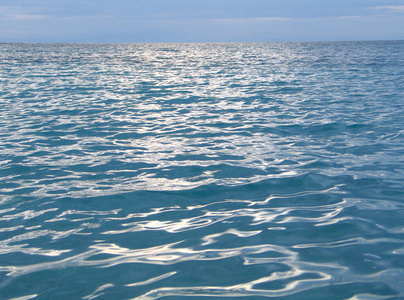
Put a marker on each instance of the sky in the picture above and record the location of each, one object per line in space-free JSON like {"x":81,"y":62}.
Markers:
{"x":145,"y":21}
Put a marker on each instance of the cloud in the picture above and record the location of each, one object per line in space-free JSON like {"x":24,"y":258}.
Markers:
{"x":281,"y":19}
{"x":394,"y":8}
{"x":248,"y":20}
{"x":20,"y":17}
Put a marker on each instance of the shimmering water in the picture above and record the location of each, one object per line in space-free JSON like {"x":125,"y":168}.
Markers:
{"x":202,"y":170}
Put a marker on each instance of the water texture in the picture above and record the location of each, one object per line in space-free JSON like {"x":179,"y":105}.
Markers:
{"x":173,"y":171}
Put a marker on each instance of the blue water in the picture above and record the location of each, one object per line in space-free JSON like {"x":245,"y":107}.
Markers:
{"x":174,"y":171}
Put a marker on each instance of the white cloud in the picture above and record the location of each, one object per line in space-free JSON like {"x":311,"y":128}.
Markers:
{"x":395,"y":8}
{"x":279,"y":19}
{"x":249,"y":20}
{"x":19,"y":17}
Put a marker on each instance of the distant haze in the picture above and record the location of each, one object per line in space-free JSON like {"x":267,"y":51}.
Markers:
{"x":128,"y":21}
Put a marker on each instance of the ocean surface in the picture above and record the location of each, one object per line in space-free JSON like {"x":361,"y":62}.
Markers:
{"x":220,"y":171}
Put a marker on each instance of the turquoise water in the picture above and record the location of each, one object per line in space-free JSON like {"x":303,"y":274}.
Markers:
{"x":174,"y":171}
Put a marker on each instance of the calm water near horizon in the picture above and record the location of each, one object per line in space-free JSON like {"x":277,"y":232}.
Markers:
{"x":221,"y":171}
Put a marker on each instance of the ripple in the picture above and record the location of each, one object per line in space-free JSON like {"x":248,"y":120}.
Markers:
{"x":201,"y":170}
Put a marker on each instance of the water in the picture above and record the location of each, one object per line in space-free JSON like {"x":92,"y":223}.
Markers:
{"x":173,"y":171}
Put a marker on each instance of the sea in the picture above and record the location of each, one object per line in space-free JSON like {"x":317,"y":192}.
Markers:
{"x":202,"y":171}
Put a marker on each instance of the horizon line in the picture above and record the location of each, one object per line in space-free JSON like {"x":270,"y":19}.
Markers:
{"x":215,"y":42}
